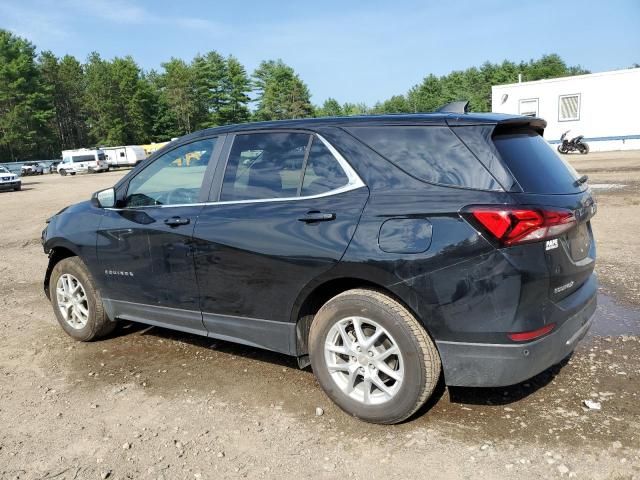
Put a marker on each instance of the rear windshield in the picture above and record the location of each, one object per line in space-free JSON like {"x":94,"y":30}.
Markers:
{"x":535,"y":165}
{"x":433,"y":154}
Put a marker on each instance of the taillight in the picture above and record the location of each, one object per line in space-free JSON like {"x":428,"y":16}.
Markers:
{"x":531,"y":335}
{"x":515,"y":225}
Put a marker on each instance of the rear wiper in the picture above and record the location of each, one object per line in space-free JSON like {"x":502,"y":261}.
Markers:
{"x":581,"y":180}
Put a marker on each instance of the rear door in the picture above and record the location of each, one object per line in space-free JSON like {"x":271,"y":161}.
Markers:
{"x":286,"y":207}
{"x":546,"y":180}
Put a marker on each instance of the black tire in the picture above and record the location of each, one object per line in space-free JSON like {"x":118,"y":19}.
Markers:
{"x":72,"y":173}
{"x":98,"y":324}
{"x":18,"y":188}
{"x":584,"y":148}
{"x":63,"y":172}
{"x":561,"y":149}
{"x":420,"y":357}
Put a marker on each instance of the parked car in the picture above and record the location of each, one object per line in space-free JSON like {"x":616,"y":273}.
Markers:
{"x":31,"y":168}
{"x":8,"y":180}
{"x":82,"y":161}
{"x":53,"y":167}
{"x":382,"y":250}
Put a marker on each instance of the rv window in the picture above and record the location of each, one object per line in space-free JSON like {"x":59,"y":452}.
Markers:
{"x":122,"y":154}
{"x":83,"y":158}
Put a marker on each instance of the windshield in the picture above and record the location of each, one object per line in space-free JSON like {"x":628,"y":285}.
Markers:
{"x":4,"y":170}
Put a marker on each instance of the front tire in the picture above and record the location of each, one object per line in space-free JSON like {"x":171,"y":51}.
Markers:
{"x":77,"y":302}
{"x":62,"y":172}
{"x":584,"y":148}
{"x":372,"y":357}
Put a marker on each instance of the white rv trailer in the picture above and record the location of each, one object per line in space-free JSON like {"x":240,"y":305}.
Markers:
{"x":124,"y":156}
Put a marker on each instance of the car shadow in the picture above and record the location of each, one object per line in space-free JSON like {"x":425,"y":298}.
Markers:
{"x":481,"y":396}
{"x":505,"y":395}
{"x":210,"y":343}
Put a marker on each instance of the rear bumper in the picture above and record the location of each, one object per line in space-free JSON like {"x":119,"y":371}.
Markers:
{"x":497,"y":365}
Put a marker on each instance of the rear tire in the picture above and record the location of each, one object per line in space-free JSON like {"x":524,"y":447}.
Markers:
{"x":355,"y":368}
{"x":77,"y":302}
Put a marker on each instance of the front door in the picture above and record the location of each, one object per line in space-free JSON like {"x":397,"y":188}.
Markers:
{"x":287,"y":210}
{"x":145,"y":246}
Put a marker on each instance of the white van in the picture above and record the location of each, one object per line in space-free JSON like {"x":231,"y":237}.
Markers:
{"x":125,"y":156}
{"x":83,"y":160}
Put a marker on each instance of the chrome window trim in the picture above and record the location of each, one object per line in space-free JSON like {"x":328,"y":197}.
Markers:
{"x":353,"y":183}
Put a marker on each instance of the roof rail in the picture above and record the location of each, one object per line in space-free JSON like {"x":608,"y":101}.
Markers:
{"x":455,"y":107}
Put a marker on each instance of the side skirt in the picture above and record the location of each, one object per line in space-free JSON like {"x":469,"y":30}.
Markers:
{"x":268,"y":334}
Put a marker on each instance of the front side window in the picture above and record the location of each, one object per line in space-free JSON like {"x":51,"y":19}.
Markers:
{"x":264,"y":165}
{"x":171,"y":179}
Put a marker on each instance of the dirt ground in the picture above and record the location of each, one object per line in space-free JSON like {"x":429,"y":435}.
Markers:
{"x":151,"y":403}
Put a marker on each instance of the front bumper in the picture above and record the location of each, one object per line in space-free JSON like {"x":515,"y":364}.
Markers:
{"x":10,"y":185}
{"x":498,"y":365}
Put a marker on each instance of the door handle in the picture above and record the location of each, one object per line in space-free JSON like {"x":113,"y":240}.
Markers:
{"x":315,"y":216}
{"x":176,"y":221}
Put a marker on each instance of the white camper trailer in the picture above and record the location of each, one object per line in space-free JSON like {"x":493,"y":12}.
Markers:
{"x":125,"y":156}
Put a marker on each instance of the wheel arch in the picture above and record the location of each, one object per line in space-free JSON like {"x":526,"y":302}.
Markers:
{"x":56,"y":254}
{"x":311,"y":299}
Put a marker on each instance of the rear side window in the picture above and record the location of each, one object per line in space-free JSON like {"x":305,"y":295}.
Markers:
{"x":323,"y":172}
{"x":535,"y":165}
{"x":431,"y":154}
{"x":83,"y":158}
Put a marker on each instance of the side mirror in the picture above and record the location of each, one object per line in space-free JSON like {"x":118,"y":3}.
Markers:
{"x":104,"y":198}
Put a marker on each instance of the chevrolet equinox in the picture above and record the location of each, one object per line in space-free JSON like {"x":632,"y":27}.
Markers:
{"x":384,"y":251}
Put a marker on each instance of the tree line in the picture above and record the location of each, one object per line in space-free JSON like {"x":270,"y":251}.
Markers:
{"x":50,"y":103}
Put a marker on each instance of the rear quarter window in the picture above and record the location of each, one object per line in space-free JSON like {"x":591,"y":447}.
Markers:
{"x":432,"y":154}
{"x":535,"y":165}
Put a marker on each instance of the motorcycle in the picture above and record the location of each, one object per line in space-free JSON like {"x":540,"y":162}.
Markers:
{"x":573,"y":145}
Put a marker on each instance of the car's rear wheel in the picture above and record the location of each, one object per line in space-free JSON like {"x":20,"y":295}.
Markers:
{"x":76,"y":301}
{"x":372,"y":357}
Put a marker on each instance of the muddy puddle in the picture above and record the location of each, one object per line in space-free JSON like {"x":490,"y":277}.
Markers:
{"x":612,"y":318}
{"x":171,"y":365}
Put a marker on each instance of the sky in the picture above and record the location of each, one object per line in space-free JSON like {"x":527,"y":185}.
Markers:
{"x":352,"y":50}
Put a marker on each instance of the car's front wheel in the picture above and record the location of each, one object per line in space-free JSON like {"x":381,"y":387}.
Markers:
{"x":76,"y":301}
{"x":372,"y":357}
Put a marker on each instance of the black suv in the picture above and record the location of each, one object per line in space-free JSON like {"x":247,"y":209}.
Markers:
{"x":383,"y":250}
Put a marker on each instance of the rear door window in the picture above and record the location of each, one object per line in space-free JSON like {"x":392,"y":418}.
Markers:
{"x":535,"y":165}
{"x":264,"y":166}
{"x":433,"y":154}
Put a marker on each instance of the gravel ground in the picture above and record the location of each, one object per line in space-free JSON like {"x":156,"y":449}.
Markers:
{"x":152,"y":403}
